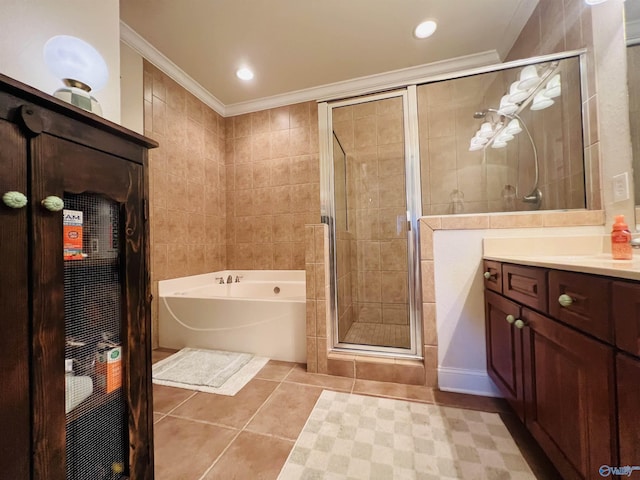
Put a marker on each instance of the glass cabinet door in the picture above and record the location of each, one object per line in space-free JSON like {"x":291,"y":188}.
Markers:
{"x":91,"y":384}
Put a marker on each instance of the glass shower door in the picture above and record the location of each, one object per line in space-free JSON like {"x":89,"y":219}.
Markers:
{"x":372,"y":241}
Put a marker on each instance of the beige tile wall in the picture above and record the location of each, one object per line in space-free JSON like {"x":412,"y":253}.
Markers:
{"x":186,"y":178}
{"x":272,"y":186}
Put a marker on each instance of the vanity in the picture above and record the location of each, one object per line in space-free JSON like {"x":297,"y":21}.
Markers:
{"x":563,"y":347}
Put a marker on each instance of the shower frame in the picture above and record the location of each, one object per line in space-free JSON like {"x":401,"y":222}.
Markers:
{"x":413,"y":214}
{"x":407,"y":89}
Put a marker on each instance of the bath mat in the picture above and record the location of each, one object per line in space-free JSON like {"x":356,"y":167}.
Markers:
{"x":350,"y":436}
{"x":211,"y":371}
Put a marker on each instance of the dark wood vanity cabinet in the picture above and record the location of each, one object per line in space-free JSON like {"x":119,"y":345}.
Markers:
{"x":64,"y":412}
{"x":579,"y":365}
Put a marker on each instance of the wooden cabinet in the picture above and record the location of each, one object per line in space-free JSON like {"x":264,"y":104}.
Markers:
{"x":61,"y":317}
{"x":492,"y":274}
{"x":570,"y":396}
{"x":504,"y":349}
{"x":579,"y":363}
{"x":628,"y":371}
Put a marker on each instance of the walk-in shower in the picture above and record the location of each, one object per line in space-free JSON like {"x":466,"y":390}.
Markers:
{"x":389,"y":158}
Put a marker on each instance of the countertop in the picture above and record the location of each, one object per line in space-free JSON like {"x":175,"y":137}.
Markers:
{"x":584,"y":254}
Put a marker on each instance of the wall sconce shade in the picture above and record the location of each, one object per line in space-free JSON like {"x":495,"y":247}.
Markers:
{"x":80,"y":67}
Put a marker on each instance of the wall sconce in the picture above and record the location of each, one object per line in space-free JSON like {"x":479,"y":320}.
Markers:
{"x":80,"y":67}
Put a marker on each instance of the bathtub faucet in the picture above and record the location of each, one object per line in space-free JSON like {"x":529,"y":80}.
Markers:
{"x":229,"y":279}
{"x":220,"y":280}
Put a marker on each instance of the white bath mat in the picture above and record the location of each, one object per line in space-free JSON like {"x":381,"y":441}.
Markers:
{"x":211,"y":371}
{"x":352,"y":437}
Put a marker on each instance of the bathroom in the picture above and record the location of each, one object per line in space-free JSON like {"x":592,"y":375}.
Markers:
{"x":248,"y":189}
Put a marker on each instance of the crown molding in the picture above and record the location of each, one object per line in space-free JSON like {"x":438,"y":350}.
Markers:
{"x":129,"y":36}
{"x":369,"y":84}
{"x":347,"y":88}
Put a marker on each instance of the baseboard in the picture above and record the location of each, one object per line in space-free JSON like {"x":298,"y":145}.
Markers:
{"x":460,"y":380}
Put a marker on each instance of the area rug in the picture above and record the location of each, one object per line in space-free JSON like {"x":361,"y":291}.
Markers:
{"x":211,"y":371}
{"x":351,"y":436}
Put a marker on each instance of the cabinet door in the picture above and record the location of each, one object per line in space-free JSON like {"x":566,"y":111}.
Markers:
{"x":14,"y":311}
{"x":570,"y":396}
{"x":628,"y":370}
{"x":626,"y":316}
{"x":89,"y":309}
{"x":504,"y":349}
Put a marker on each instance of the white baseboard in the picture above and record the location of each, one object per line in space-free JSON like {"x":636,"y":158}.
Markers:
{"x":460,"y":380}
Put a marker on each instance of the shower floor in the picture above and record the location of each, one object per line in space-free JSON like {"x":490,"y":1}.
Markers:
{"x":379,"y":334}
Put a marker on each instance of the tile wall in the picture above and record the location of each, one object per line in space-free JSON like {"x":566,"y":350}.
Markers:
{"x":633,"y":59}
{"x":272,"y":186}
{"x":187,"y":181}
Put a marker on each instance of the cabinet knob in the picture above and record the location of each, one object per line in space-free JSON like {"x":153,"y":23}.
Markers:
{"x":487,"y":275}
{"x":519,"y":323}
{"x":511,"y":318}
{"x":565,"y":300}
{"x":53,"y":203}
{"x":14,"y":199}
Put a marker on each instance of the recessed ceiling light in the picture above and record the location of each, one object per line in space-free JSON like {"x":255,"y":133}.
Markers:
{"x":244,"y":74}
{"x":425,"y":29}
{"x":594,"y":2}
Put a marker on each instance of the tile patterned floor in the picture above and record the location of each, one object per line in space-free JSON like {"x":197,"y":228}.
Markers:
{"x":202,"y":436}
{"x":387,"y":335}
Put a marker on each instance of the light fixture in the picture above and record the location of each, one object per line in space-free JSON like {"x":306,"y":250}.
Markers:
{"x":540,"y":101}
{"x":244,"y":73}
{"x":513,"y":127}
{"x":554,"y":87}
{"x":80,"y":67}
{"x":594,"y":2}
{"x":425,"y":29}
{"x":506,"y":106}
{"x":516,"y":95}
{"x":528,"y":77}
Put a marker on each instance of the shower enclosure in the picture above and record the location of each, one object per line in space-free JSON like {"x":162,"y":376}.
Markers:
{"x":374,"y":169}
{"x":503,"y":139}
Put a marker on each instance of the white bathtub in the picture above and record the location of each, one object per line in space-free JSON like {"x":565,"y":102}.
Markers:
{"x":263,"y":314}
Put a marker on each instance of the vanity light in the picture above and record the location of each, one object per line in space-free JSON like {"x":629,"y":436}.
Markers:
{"x":553,"y":88}
{"x":540,"y":101}
{"x":594,"y":2}
{"x":528,"y":77}
{"x":506,"y":106}
{"x":498,"y":144}
{"x":516,"y":95}
{"x":80,"y":67}
{"x":513,"y":127}
{"x":504,"y":137}
{"x":244,"y":73}
{"x":425,"y":29}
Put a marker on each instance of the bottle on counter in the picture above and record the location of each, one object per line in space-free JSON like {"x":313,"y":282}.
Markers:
{"x":621,"y":240}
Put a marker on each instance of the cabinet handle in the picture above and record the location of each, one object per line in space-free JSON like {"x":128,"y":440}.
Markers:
{"x":53,"y":203}
{"x":488,"y":275}
{"x":14,"y":199}
{"x":565,"y":300}
{"x":511,"y":318}
{"x":519,"y":324}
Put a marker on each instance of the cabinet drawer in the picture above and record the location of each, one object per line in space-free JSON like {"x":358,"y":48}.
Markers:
{"x":492,"y":273}
{"x":586,"y":300}
{"x":526,"y":285}
{"x":626,"y":316}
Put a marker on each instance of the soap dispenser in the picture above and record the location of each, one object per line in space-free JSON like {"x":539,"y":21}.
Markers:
{"x":621,"y":240}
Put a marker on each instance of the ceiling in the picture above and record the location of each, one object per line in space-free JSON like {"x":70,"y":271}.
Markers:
{"x":294,"y":45}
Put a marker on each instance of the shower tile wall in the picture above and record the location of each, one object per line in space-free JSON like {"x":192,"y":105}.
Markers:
{"x":186,"y":179}
{"x":272,"y":186}
{"x":633,"y":59}
{"x":373,"y":137}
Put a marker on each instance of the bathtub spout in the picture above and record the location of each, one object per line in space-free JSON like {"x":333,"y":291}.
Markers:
{"x":229,"y":279}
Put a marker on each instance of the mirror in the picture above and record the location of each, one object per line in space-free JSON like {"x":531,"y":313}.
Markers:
{"x":632,"y":20}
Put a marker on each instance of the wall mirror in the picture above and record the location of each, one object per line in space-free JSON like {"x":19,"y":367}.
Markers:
{"x":505,"y":140}
{"x":632,"y":20}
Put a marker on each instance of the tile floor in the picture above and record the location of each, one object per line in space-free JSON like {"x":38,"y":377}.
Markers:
{"x":387,"y":335}
{"x":201,"y":436}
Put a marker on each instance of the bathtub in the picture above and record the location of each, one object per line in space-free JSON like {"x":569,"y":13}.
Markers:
{"x":264,"y":313}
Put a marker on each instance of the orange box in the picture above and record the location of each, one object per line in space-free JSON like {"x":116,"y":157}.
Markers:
{"x":72,"y":230}
{"x":109,"y":369}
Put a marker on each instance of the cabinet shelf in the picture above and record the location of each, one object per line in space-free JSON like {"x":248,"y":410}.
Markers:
{"x":91,"y":403}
